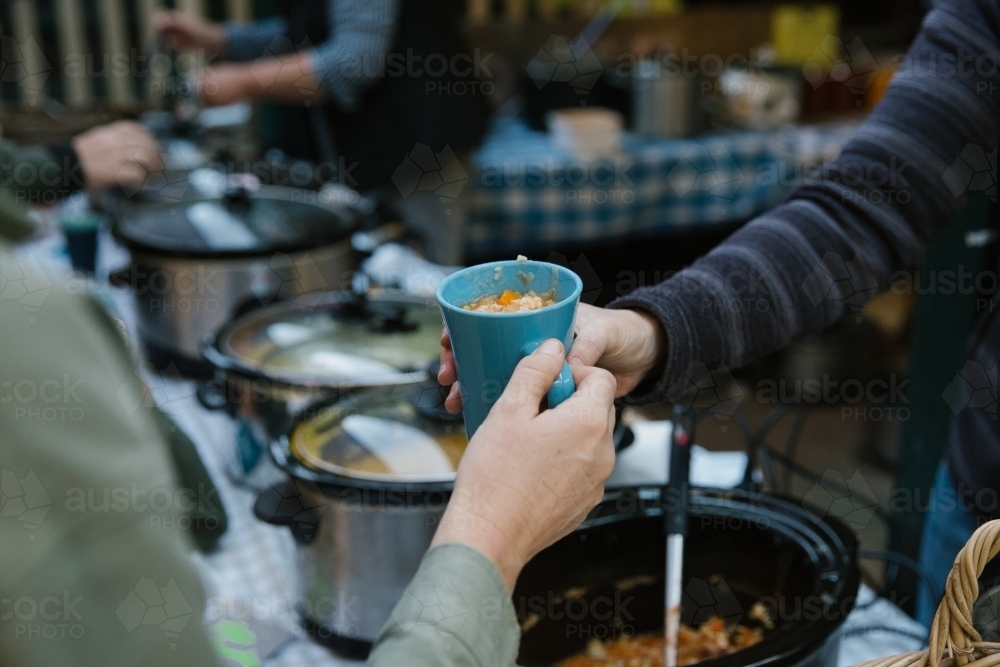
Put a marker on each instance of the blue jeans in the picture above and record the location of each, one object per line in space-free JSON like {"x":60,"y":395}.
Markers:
{"x":947,"y":527}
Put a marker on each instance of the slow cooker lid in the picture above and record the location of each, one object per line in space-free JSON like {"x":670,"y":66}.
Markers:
{"x":337,"y":339}
{"x":384,"y":435}
{"x":240,"y":223}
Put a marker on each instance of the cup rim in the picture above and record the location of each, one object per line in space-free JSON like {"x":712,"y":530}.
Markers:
{"x":573,"y":296}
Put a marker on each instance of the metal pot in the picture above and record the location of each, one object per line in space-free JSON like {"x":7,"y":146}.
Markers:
{"x":606,"y":578}
{"x":363,"y":526}
{"x":197,"y":263}
{"x":665,"y":104}
{"x":274,"y":364}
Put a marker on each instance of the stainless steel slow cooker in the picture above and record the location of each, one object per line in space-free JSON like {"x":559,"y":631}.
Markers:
{"x":273,"y":364}
{"x":199,"y":262}
{"x":369,"y":479}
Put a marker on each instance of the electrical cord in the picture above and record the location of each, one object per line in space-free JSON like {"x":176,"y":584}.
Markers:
{"x":905,"y":561}
{"x":802,"y":471}
{"x":758,"y":453}
{"x":792,"y":444}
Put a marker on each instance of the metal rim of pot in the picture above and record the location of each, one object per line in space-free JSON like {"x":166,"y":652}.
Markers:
{"x":215,"y":351}
{"x":346,"y":485}
{"x":826,"y":541}
{"x":375,"y":492}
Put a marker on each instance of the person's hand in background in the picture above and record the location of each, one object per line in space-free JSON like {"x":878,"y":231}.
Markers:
{"x":528,"y":477}
{"x":187,"y":30}
{"x":629,"y":343}
{"x":121,"y":153}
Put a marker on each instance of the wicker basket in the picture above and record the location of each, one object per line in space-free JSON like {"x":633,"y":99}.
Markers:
{"x":954,"y":642}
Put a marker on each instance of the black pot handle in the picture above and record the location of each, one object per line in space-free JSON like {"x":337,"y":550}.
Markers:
{"x":121,"y":277}
{"x":281,"y":504}
{"x":212,"y":396}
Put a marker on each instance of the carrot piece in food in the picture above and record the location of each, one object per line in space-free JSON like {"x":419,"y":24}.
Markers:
{"x":507,"y":297}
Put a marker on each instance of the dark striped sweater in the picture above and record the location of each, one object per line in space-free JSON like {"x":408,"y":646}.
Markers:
{"x":837,"y":240}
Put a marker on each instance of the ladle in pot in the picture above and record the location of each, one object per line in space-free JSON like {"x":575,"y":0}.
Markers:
{"x":675,"y":517}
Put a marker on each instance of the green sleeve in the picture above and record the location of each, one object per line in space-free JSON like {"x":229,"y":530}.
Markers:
{"x":14,"y":221}
{"x":455,"y":613}
{"x":39,"y":174}
{"x":93,"y":552}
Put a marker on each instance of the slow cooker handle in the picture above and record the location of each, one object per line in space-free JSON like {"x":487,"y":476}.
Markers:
{"x":212,"y":396}
{"x":126,"y":276}
{"x":281,"y":504}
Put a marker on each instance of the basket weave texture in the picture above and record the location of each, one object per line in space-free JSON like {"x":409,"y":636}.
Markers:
{"x":954,"y":642}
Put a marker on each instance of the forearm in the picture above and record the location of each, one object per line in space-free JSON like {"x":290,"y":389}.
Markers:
{"x":457,"y":612}
{"x":837,"y":241}
{"x":283,"y":79}
{"x":354,"y":58}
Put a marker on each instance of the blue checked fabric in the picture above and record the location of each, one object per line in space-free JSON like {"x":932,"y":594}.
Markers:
{"x":526,"y":193}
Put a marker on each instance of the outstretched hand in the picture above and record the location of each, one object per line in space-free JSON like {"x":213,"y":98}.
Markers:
{"x":628,"y":343}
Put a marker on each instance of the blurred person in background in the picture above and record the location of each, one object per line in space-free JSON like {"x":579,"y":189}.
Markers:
{"x":395,"y":83}
{"x":867,"y":214}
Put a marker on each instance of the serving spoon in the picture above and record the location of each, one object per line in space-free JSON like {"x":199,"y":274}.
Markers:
{"x":675,"y":517}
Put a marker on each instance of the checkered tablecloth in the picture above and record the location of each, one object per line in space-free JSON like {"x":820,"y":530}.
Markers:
{"x":527,"y":193}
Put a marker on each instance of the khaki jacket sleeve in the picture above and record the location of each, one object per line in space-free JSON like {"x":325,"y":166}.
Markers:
{"x":93,"y":564}
{"x":38,"y":174}
{"x":15,"y":223}
{"x":456,"y":613}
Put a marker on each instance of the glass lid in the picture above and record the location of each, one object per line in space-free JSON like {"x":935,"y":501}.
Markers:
{"x":337,"y":339}
{"x":240,"y":223}
{"x":390,"y":434}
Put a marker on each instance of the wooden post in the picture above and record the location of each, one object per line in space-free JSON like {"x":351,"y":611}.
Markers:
{"x":156,"y":60}
{"x":33,"y":69}
{"x":117,"y":65}
{"x":73,"y":49}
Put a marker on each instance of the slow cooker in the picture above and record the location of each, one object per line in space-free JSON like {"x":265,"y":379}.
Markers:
{"x":369,"y":478}
{"x":198,"y":262}
{"x":273,"y":365}
{"x":607,"y":578}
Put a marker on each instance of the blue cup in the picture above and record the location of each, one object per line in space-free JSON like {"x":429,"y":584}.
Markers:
{"x":488,"y":346}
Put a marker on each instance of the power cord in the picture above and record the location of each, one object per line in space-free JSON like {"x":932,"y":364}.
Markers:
{"x":905,"y":561}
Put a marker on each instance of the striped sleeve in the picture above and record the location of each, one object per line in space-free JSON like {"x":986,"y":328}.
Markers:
{"x":353,"y":58}
{"x":246,"y":41}
{"x":840,"y":236}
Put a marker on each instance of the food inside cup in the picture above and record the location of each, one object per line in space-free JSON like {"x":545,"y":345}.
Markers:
{"x":510,"y":301}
